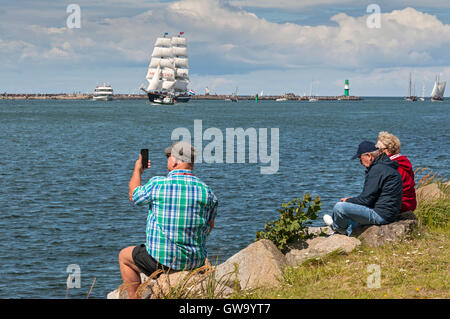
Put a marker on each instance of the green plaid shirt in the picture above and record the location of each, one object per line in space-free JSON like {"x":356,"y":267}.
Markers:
{"x":180,"y":209}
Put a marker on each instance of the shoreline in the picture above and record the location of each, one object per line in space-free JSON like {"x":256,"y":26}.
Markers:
{"x":65,"y":96}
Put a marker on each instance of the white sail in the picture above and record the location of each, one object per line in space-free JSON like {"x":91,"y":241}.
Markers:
{"x":162,"y":52}
{"x":150,"y":73}
{"x":441,"y":87}
{"x":206,"y":90}
{"x":178,"y":41}
{"x":182,"y":73}
{"x":155,"y":81}
{"x":163,"y":42}
{"x":168,"y":74}
{"x":181,"y":85}
{"x":164,"y":62}
{"x":435,"y":91}
{"x":181,"y":62}
{"x":179,"y":51}
{"x":167,"y":85}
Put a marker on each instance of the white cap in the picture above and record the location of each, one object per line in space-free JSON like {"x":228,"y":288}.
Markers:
{"x":182,"y":151}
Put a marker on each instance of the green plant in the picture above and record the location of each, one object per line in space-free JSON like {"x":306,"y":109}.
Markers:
{"x":295,"y":217}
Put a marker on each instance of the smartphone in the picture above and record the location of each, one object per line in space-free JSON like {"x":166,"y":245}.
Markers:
{"x":144,"y":153}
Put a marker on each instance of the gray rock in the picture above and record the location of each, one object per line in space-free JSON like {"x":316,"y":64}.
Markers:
{"x":378,"y":235}
{"x":429,"y":192}
{"x":258,"y":265}
{"x":321,"y":246}
{"x":319,"y":230}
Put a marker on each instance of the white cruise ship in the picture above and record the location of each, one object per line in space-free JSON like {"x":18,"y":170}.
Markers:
{"x":103,"y":93}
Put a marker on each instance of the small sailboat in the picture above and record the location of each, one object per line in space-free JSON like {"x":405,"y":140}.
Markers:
{"x":438,"y":90}
{"x":422,"y":98}
{"x":234,"y":97}
{"x":311,"y":97}
{"x":410,"y":96}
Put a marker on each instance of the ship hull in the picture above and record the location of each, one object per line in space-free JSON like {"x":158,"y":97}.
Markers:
{"x":153,"y":96}
{"x":103,"y":98}
{"x":437,"y":99}
{"x":182,"y":98}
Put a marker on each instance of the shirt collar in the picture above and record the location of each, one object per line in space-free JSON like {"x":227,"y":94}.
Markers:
{"x":180,"y":172}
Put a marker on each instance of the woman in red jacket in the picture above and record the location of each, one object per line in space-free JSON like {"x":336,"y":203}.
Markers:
{"x":390,"y":144}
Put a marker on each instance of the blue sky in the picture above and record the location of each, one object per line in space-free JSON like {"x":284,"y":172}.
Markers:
{"x":275,"y":46}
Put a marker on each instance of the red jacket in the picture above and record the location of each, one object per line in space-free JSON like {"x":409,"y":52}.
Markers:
{"x":409,"y":193}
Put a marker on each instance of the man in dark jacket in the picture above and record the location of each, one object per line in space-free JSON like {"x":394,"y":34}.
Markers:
{"x":381,"y":198}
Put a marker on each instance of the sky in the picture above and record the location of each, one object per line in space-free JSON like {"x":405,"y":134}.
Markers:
{"x":250,"y":46}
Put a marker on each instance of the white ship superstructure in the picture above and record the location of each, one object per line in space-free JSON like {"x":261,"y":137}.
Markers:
{"x":103,"y":93}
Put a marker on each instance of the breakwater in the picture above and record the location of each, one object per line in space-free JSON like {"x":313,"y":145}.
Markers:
{"x":82,"y":96}
{"x":289,"y":97}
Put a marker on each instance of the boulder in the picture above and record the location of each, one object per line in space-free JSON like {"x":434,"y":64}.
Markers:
{"x":378,"y":235}
{"x":258,"y":265}
{"x":320,"y":230}
{"x":321,"y":246}
{"x":429,"y":192}
{"x":182,"y":284}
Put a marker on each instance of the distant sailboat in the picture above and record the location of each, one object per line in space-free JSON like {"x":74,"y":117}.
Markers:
{"x":234,"y":97}
{"x":311,"y":97}
{"x":438,"y":90}
{"x":422,"y":98}
{"x":410,"y":96}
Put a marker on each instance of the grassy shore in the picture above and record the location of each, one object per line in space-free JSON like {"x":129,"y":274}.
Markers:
{"x":417,"y":267}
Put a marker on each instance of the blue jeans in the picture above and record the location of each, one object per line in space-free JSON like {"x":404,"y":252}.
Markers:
{"x":347,"y":216}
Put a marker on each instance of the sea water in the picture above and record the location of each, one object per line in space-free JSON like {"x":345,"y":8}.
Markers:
{"x":65,"y":168}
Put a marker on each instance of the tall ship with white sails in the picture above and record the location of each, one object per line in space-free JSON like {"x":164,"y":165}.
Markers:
{"x":438,"y":90}
{"x":168,"y":71}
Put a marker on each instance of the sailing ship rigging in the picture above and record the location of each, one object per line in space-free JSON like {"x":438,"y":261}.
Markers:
{"x":411,"y":96}
{"x":168,"y":71}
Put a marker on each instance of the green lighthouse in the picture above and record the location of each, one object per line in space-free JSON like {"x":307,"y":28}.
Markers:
{"x":346,"y":88}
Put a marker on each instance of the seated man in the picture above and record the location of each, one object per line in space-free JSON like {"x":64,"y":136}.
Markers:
{"x":381,"y":198}
{"x":181,"y":215}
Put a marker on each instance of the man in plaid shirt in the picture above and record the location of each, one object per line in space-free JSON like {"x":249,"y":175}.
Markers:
{"x":181,"y":215}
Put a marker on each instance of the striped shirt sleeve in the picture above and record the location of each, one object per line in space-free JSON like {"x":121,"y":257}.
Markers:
{"x":143,"y":194}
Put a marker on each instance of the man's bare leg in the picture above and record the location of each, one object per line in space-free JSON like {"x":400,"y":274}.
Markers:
{"x":129,"y":271}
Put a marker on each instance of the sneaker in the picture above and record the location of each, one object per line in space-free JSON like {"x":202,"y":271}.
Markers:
{"x":328,"y":219}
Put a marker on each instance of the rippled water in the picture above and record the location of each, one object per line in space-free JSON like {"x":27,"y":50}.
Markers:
{"x":65,"y":168}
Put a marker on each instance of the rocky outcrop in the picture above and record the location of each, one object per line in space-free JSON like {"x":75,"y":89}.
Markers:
{"x":258,"y":265}
{"x":378,"y":235}
{"x":320,"y":246}
{"x":261,"y":263}
{"x":183,"y":284}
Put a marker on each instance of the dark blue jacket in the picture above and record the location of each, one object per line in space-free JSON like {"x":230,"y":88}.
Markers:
{"x":383,"y":188}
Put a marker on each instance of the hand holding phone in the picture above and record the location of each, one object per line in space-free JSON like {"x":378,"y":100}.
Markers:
{"x":144,"y":154}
